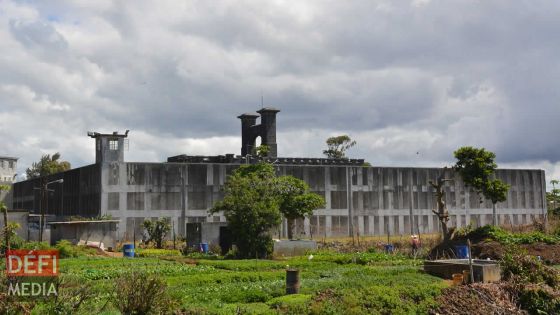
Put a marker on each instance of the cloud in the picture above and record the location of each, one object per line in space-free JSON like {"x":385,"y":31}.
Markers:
{"x":400,"y":77}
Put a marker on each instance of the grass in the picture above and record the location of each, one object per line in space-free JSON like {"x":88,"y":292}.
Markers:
{"x":330,"y":283}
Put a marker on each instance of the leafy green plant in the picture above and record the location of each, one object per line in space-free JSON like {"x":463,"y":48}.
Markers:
{"x":71,"y":297}
{"x":538,"y":299}
{"x":296,"y":201}
{"x":66,"y":249}
{"x":500,"y":235}
{"x":155,"y":252}
{"x":251,"y":207}
{"x":141,"y":293}
{"x":157,"y":230}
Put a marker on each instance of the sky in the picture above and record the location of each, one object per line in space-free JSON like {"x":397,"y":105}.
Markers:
{"x":410,"y":81}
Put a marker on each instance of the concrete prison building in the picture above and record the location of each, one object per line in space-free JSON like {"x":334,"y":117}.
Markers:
{"x":368,"y":200}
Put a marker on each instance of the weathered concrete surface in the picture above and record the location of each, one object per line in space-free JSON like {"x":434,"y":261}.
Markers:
{"x":374,"y":199}
{"x":288,"y":248}
{"x":8,"y":166}
{"x":87,"y":231}
{"x":483,"y":270}
{"x":19,"y":217}
{"x":211,"y":232}
{"x":371,"y":200}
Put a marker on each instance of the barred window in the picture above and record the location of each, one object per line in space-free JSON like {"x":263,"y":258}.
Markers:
{"x":113,"y":145}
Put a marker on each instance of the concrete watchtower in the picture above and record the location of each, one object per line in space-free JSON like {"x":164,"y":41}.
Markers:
{"x":109,"y":147}
{"x":266,"y":130}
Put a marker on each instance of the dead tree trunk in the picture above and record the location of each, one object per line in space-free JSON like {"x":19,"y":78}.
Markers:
{"x":441,"y":211}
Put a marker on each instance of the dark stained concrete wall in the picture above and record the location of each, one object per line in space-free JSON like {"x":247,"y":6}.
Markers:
{"x":372,"y":199}
{"x":79,"y":195}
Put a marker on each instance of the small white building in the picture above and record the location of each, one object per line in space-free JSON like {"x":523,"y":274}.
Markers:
{"x":8,"y":166}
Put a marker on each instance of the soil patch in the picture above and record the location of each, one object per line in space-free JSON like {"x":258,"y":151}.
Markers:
{"x":478,"y":298}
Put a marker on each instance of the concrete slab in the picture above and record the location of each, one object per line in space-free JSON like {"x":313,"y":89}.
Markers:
{"x":483,"y":270}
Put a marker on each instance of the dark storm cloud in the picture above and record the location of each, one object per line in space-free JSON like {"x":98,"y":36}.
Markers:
{"x":400,"y":76}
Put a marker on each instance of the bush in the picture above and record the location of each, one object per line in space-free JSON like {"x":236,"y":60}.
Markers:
{"x":539,"y":299}
{"x":68,"y":250}
{"x":502,"y":236}
{"x":71,"y":297}
{"x":154,"y":252}
{"x":534,"y":285}
{"x":141,"y":293}
{"x":35,"y":245}
{"x":527,"y":269}
{"x":157,"y":230}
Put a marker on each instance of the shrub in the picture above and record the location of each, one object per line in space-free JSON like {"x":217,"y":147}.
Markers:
{"x":527,"y":269}
{"x":534,"y":285}
{"x":157,"y":230}
{"x":539,"y":299}
{"x":35,"y":245}
{"x":153,"y":252}
{"x":68,"y":250}
{"x":71,"y":296}
{"x":502,"y":236}
{"x":141,"y":293}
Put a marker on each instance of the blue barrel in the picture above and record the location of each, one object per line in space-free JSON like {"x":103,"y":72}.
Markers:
{"x":389,"y":248}
{"x":462,"y":251}
{"x":204,"y":248}
{"x":128,"y":250}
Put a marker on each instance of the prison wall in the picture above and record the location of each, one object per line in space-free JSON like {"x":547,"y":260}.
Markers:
{"x":78,"y":195}
{"x":365,"y":200}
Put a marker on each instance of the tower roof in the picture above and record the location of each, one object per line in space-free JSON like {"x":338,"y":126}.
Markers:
{"x":267,"y":110}
{"x":248,"y":115}
{"x":115,"y":134}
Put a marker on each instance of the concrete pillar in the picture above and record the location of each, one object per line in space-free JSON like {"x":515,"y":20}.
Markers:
{"x":328,"y":225}
{"x":401,"y":225}
{"x":361,"y":225}
{"x":380,"y":188}
{"x":306,"y":226}
{"x":381,"y":225}
{"x":210,"y":174}
{"x":328,"y":204}
{"x":371,"y":226}
{"x":466,"y":205}
{"x":431,"y":224}
{"x":391,"y":225}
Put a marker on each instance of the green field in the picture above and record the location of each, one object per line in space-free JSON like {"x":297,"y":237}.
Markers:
{"x":331,"y":283}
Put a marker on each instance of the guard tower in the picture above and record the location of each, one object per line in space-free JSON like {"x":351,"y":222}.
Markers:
{"x":266,"y":130}
{"x":109,"y":147}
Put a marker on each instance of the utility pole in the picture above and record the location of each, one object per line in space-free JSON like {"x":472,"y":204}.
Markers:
{"x":44,"y":202}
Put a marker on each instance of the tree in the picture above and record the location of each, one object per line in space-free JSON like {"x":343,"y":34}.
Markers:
{"x":4,"y":210}
{"x":296,"y":200}
{"x":262,"y":151}
{"x":477,"y":167}
{"x":157,"y":230}
{"x":251,"y":207}
{"x":553,"y":198}
{"x":337,"y":146}
{"x":47,"y":165}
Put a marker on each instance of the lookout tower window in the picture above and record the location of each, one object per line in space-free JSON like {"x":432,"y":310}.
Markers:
{"x":113,"y":145}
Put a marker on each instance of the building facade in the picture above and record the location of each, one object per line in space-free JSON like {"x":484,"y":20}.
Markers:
{"x":359,"y":199}
{"x":8,"y":166}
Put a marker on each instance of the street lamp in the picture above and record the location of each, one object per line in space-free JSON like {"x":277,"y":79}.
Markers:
{"x":44,"y":203}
